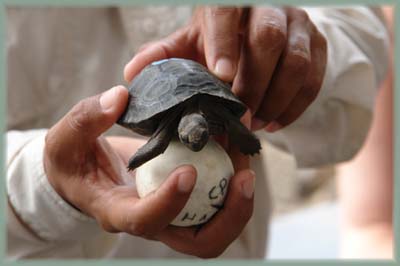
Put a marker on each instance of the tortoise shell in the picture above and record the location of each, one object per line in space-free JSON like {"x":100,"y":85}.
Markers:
{"x":164,"y":85}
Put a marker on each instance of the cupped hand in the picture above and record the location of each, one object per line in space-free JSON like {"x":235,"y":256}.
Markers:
{"x":216,"y":235}
{"x":89,"y":172}
{"x":83,"y":168}
{"x":274,"y":57}
{"x":228,"y":223}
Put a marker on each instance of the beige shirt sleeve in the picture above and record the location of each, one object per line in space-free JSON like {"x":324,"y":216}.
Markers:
{"x":46,"y":215}
{"x":335,"y":125}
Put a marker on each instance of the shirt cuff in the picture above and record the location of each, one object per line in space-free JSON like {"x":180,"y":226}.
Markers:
{"x":38,"y":204}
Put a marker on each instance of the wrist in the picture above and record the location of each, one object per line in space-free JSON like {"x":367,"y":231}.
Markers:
{"x":36,"y":201}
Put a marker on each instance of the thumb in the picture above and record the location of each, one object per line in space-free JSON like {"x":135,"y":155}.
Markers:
{"x":89,"y":119}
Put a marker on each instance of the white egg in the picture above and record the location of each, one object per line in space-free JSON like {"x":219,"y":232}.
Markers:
{"x":214,"y":170}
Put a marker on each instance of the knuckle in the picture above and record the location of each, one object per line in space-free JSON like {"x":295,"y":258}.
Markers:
{"x":216,"y":11}
{"x":104,"y":221}
{"x":310,"y":94}
{"x":222,"y":37}
{"x":301,"y":14}
{"x":297,"y":62}
{"x":318,"y":38}
{"x":321,"y":40}
{"x":144,"y":47}
{"x":269,"y":34}
{"x":300,"y":43}
{"x":163,"y":49}
{"x":79,"y":116}
{"x":108,"y":227}
{"x":137,"y":225}
{"x":138,"y":229}
{"x":298,"y":14}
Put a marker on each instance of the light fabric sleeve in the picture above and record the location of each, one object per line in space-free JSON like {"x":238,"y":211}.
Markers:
{"x":335,"y":125}
{"x":32,"y":197}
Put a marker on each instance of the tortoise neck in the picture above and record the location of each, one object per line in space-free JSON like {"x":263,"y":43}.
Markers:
{"x":193,"y":127}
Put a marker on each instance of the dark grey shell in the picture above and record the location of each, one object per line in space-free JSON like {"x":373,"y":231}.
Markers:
{"x":164,"y":85}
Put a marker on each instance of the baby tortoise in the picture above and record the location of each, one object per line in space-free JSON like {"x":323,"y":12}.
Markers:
{"x":181,"y":97}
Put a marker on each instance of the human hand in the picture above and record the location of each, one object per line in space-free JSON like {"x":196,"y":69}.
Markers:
{"x":213,"y":238}
{"x":89,"y":173}
{"x":274,"y":57}
{"x":84,"y":170}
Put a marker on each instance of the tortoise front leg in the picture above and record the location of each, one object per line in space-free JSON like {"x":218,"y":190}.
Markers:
{"x":158,"y":142}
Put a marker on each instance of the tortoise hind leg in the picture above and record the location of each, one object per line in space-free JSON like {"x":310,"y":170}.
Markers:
{"x":239,"y":135}
{"x":158,"y":142}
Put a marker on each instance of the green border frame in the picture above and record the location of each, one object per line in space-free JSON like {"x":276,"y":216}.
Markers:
{"x":149,"y":262}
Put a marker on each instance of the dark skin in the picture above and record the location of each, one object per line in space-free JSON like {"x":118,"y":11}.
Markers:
{"x":275,"y":57}
{"x":86,"y":169}
{"x":89,"y":172}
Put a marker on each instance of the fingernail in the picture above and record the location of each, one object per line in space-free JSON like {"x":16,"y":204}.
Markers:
{"x":224,"y":69}
{"x":257,"y":124}
{"x":186,"y":182}
{"x":248,"y":186}
{"x":107,"y":99}
{"x":273,"y":126}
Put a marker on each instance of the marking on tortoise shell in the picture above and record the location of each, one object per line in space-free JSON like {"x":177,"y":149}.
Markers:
{"x":162,"y":61}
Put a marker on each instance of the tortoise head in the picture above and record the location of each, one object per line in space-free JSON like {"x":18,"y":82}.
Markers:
{"x":193,"y":131}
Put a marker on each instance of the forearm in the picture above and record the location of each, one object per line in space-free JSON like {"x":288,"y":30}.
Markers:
{"x":366,"y":188}
{"x":37,"y":216}
{"x":373,"y":241}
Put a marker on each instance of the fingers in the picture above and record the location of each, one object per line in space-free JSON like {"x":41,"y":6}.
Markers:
{"x":224,"y":228}
{"x":122,"y":211}
{"x":179,"y":44}
{"x":220,"y":39}
{"x":292,"y":70}
{"x":265,"y":41}
{"x":84,"y":123}
{"x":275,"y":57}
{"x":310,"y":87}
{"x":221,"y":28}
{"x":308,"y":92}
